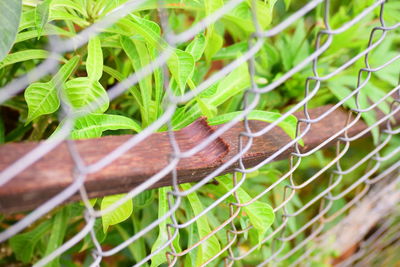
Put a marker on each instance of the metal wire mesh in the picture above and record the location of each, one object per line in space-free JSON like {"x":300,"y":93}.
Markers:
{"x":281,"y":243}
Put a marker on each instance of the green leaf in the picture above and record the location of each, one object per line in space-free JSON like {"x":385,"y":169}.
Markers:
{"x":83,"y":92}
{"x":100,"y":236}
{"x":41,"y":16}
{"x":287,"y":4}
{"x":214,"y":44}
{"x":23,"y":245}
{"x":58,"y":231}
{"x":233,"y":84}
{"x":289,"y":124}
{"x":93,"y":125}
{"x":114,"y":73}
{"x":211,"y":246}
{"x":42,"y":98}
{"x":340,"y":89}
{"x":207,"y":110}
{"x":197,"y":46}
{"x":66,"y":70}
{"x":139,"y":57}
{"x":143,"y":199}
{"x":231,"y":52}
{"x":94,"y":61}
{"x":162,"y":238}
{"x":24,"y":55}
{"x":149,"y":30}
{"x":214,"y":40}
{"x":10,"y":15}
{"x":158,"y":86}
{"x":69,"y":4}
{"x":48,"y":29}
{"x":261,"y":215}
{"x":119,"y":214}
{"x":263,"y":11}
{"x":181,"y":66}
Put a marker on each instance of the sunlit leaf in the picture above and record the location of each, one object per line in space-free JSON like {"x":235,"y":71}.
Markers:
{"x":42,"y":98}
{"x":10,"y":15}
{"x":261,"y":214}
{"x":211,"y":246}
{"x":83,"y":92}
{"x":23,"y":245}
{"x":94,"y":61}
{"x":197,"y":46}
{"x":181,"y":65}
{"x":117,"y":215}
{"x":162,"y":238}
{"x":93,"y":125}
{"x":289,"y":124}
{"x":42,"y":15}
{"x":57,"y":234}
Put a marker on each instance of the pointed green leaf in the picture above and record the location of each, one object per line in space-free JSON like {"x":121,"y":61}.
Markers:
{"x":120,"y":214}
{"x":84,"y":93}
{"x":211,"y":246}
{"x":48,"y":29}
{"x":214,"y":40}
{"x":232,"y":51}
{"x":23,"y":245}
{"x":139,"y":57}
{"x":57,"y":235}
{"x":289,"y":124}
{"x":41,"y":16}
{"x":214,"y":44}
{"x":24,"y":55}
{"x":234,"y":83}
{"x":66,"y":70}
{"x":42,"y":98}
{"x":197,"y":46}
{"x":10,"y":15}
{"x":94,"y":61}
{"x":162,"y":238}
{"x":261,"y":215}
{"x":75,"y":5}
{"x":93,"y":125}
{"x":181,"y":66}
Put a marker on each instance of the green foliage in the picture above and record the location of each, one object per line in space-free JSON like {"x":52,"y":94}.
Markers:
{"x":10,"y":14}
{"x":57,"y":234}
{"x":93,"y":125}
{"x":42,"y":98}
{"x":162,"y":238}
{"x":117,"y":215}
{"x":42,"y":15}
{"x":24,"y":244}
{"x":211,"y":244}
{"x":261,"y":215}
{"x":289,"y":124}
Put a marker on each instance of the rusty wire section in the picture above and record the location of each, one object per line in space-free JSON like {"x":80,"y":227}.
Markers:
{"x":304,"y":241}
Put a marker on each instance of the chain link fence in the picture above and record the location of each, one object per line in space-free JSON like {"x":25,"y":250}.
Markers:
{"x":315,"y":196}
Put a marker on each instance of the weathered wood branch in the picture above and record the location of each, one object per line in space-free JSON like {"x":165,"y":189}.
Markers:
{"x":54,"y":171}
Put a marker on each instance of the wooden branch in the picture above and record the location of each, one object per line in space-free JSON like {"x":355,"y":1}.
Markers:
{"x":54,"y":171}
